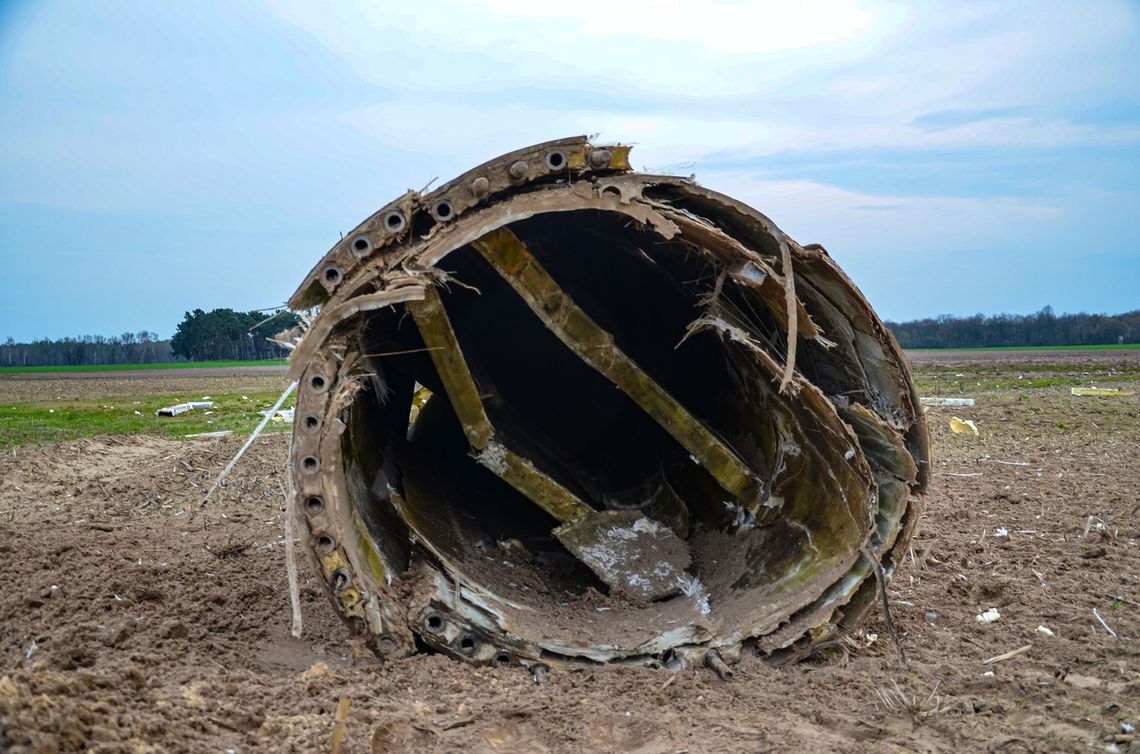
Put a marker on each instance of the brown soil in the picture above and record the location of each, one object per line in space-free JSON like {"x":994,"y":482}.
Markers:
{"x":21,"y":388}
{"x":1013,"y":359}
{"x":154,"y":374}
{"x":136,"y":620}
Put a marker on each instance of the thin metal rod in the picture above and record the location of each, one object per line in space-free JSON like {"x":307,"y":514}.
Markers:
{"x":253,"y":436}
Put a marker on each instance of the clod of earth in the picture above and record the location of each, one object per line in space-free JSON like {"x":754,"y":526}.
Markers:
{"x":558,"y":412}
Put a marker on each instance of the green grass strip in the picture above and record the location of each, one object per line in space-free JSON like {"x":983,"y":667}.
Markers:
{"x":52,"y":421}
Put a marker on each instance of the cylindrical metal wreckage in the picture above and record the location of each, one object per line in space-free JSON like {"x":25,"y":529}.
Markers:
{"x":557,"y":412}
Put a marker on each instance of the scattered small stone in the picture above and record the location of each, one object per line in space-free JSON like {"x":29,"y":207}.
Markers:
{"x":1093,"y":552}
{"x":1083,"y":681}
{"x":931,"y":616}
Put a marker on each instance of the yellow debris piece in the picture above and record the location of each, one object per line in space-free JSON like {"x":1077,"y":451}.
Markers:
{"x":1081,"y":391}
{"x":961,"y":426}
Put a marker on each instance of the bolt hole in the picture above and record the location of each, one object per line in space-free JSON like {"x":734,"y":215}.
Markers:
{"x":361,"y":244}
{"x":341,"y":580}
{"x":611,"y":191}
{"x":433,"y":623}
{"x":555,"y":160}
{"x":310,"y":464}
{"x":467,"y":644}
{"x":317,"y":382}
{"x":325,"y":544}
{"x":312,"y":422}
{"x":332,"y":274}
{"x":314,"y":506}
{"x":442,"y":210}
{"x":394,"y":221}
{"x":502,"y":659}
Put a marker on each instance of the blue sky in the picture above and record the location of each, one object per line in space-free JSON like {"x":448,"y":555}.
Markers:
{"x":953,"y":157}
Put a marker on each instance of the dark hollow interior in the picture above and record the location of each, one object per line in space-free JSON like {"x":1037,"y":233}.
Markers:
{"x":545,"y":402}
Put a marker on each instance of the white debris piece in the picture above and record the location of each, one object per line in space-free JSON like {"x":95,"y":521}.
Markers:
{"x":1001,"y":531}
{"x":935,"y":402}
{"x":1044,"y":631}
{"x":989,"y":616}
{"x":692,"y":588}
{"x":182,"y":408}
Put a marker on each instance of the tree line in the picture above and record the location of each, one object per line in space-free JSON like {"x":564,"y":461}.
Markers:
{"x":226,"y":334}
{"x":217,"y":335}
{"x":143,"y":347}
{"x":1043,"y":328}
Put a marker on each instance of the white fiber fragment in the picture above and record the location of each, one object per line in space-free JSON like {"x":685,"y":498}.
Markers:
{"x":989,"y":616}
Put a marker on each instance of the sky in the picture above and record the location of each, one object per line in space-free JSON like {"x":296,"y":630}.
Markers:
{"x":953,"y":158}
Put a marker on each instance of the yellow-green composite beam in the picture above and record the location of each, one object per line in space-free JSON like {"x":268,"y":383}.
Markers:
{"x":439,"y":337}
{"x":594,"y":345}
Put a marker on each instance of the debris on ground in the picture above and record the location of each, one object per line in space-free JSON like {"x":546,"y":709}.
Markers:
{"x":963,"y":426}
{"x":1106,"y":391}
{"x":988,"y":616}
{"x":182,"y":408}
{"x":936,"y":402}
{"x":743,"y":504}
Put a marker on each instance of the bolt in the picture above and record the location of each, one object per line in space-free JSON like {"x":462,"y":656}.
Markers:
{"x":480,"y":186}
{"x":600,"y":158}
{"x":539,"y":673}
{"x":518,"y":170}
{"x":716,"y":662}
{"x":386,"y":645}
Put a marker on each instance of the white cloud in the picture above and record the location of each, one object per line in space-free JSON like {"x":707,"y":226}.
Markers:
{"x":687,"y":79}
{"x":725,"y":27}
{"x":849,"y":222}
